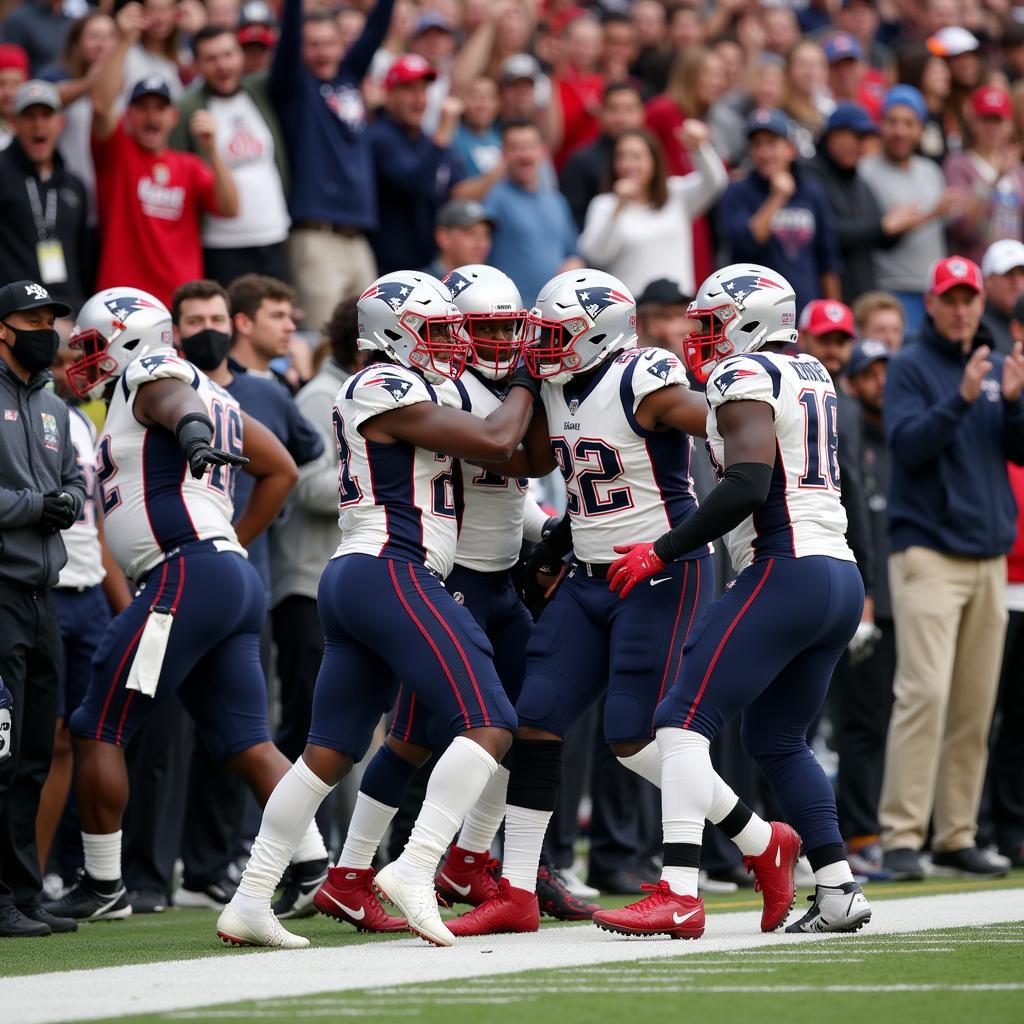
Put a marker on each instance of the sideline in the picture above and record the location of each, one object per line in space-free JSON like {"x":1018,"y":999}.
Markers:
{"x":185,"y":984}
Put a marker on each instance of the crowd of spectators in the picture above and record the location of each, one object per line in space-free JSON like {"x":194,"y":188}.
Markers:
{"x":255,"y":165}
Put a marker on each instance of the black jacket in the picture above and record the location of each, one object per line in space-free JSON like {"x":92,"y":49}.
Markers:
{"x":858,"y":220}
{"x":583,"y":176}
{"x":18,"y":235}
{"x":858,"y":519}
{"x":36,"y":457}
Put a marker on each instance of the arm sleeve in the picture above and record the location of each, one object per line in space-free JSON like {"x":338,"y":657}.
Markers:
{"x":742,"y":489}
{"x":705,"y":183}
{"x":19,"y":507}
{"x":534,"y":520}
{"x":600,"y":241}
{"x":205,"y":184}
{"x":916,"y":427}
{"x":287,"y":62}
{"x":317,"y":488}
{"x":360,"y":55}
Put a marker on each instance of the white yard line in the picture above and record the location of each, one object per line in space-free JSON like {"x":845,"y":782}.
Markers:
{"x":184,"y":984}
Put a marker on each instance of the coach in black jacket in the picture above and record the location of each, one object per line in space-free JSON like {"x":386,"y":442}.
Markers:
{"x":43,"y":209}
{"x":860,"y":226}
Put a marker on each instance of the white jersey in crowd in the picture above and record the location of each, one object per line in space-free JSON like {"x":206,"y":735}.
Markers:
{"x":498,"y":512}
{"x":84,"y":567}
{"x":803,"y":514}
{"x":151,"y":503}
{"x":625,"y":484}
{"x":395,"y":500}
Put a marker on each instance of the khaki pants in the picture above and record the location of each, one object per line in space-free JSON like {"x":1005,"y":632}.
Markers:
{"x":950,"y":616}
{"x":327,"y":268}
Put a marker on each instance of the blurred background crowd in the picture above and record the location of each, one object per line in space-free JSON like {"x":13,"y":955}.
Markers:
{"x":256,"y":165}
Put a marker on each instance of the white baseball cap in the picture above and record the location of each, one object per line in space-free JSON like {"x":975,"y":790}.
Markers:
{"x":1002,"y":256}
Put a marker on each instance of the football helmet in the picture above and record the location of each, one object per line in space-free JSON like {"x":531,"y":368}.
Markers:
{"x":581,"y":317}
{"x":738,"y":309}
{"x":411,"y":317}
{"x":113,"y":328}
{"x":485,"y":295}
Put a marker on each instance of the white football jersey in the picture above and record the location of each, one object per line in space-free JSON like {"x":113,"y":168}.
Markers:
{"x":395,"y":500}
{"x":803,"y":514}
{"x":625,"y":484}
{"x":151,"y":503}
{"x":497,"y":511}
{"x":84,"y":567}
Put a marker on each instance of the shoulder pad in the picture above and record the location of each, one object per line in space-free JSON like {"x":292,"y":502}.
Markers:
{"x":160,"y":366}
{"x":382,"y":388}
{"x":656,"y":368}
{"x":744,"y":378}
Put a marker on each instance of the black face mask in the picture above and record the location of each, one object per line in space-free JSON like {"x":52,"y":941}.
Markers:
{"x":34,"y":350}
{"x":206,"y":349}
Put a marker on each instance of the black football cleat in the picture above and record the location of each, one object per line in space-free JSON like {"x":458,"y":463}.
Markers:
{"x":556,"y":901}
{"x":300,"y":886}
{"x":92,"y":900}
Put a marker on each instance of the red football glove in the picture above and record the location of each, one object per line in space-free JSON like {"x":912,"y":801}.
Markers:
{"x":637,"y":563}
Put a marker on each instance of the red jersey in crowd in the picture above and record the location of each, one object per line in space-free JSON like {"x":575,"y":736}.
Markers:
{"x":150,"y":207}
{"x":580,"y":97}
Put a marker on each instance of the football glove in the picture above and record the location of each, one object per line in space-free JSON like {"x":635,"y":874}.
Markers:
{"x":638,"y":562}
{"x":58,"y":512}
{"x":194,"y":432}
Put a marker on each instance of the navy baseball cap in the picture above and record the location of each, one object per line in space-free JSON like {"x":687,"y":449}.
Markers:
{"x":864,"y":353}
{"x":842,"y":46}
{"x":765,"y":120}
{"x":152,"y":85}
{"x":663,"y":292}
{"x":853,"y":117}
{"x":28,"y":295}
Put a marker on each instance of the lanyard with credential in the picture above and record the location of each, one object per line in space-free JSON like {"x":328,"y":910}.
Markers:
{"x":45,"y":224}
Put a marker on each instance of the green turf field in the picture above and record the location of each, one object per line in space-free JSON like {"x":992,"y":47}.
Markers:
{"x":186,"y":934}
{"x":956,"y":974}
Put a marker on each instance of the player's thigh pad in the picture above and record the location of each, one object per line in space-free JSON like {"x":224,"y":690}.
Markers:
{"x":566,"y":658}
{"x":215,"y":595}
{"x":649,"y":630}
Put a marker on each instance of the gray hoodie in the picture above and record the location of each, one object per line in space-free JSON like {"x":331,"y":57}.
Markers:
{"x":36,"y":457}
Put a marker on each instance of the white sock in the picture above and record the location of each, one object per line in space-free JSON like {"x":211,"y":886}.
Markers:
{"x":370,"y":821}
{"x":687,"y":793}
{"x":682,"y":881}
{"x":524,"y":837}
{"x":286,"y":820}
{"x":646,"y":763}
{"x":102,"y":856}
{"x":835,"y":874}
{"x":484,"y":818}
{"x":311,"y":846}
{"x":754,"y":837}
{"x":458,"y":779}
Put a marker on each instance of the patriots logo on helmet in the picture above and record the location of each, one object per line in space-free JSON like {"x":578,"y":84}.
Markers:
{"x":456,"y":282}
{"x":394,"y":293}
{"x":725,"y":380}
{"x":597,"y":300}
{"x":662,"y":368}
{"x":740,"y":287}
{"x":123,"y":307}
{"x":394,"y":386}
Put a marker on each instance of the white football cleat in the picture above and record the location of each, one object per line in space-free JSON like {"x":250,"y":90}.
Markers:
{"x":263,"y":930}
{"x":417,"y":902}
{"x":841,"y":908}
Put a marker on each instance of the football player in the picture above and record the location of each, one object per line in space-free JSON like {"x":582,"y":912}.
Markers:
{"x":766,"y":649}
{"x":385,"y":611}
{"x":616,"y":421}
{"x":497,"y":515}
{"x":171,"y":444}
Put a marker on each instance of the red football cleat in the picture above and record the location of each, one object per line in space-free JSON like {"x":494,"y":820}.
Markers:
{"x":774,"y":875}
{"x":467,"y":877}
{"x":348,"y":895}
{"x":662,"y":913}
{"x":509,"y":910}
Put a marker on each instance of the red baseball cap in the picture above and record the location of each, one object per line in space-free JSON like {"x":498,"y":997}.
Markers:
{"x":13,"y":56}
{"x":954,"y":270}
{"x":408,"y":69}
{"x":824,"y":315}
{"x":257,"y":35}
{"x":991,"y":101}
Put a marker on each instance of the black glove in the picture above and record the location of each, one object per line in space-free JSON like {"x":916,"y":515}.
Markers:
{"x":547,"y":558}
{"x":58,"y":512}
{"x":194,"y":433}
{"x":522,"y":378}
